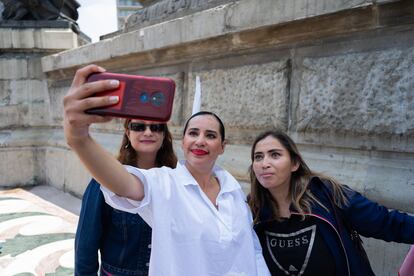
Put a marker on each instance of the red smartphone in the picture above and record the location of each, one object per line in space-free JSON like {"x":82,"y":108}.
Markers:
{"x":146,"y":98}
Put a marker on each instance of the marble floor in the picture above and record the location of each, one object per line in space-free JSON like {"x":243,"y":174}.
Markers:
{"x":36,"y":235}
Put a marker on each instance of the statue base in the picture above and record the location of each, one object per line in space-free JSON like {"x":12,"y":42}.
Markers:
{"x":46,"y":24}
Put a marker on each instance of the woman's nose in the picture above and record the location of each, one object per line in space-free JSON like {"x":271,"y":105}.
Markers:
{"x":147,"y":131}
{"x":200,"y":140}
{"x":265,"y":162}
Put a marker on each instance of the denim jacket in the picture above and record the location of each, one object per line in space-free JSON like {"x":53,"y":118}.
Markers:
{"x":366,"y":217}
{"x":123,"y":239}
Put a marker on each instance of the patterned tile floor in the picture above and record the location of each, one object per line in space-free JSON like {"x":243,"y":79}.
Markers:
{"x":36,"y":236}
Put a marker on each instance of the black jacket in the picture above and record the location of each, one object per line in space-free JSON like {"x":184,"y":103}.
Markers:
{"x":366,"y":217}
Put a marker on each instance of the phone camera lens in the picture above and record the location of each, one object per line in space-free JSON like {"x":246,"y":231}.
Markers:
{"x":157,"y":98}
{"x":144,"y":97}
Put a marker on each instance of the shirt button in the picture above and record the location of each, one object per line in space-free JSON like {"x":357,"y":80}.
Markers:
{"x":149,"y":245}
{"x":147,"y":264}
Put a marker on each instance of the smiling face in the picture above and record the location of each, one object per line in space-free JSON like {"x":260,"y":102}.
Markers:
{"x":145,"y":141}
{"x":202,"y":142}
{"x":273,"y":165}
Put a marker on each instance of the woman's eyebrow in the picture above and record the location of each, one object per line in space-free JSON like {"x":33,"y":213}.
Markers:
{"x":274,"y":150}
{"x":211,"y":131}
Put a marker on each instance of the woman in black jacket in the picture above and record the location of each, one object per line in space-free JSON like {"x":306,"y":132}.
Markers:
{"x":307,"y":223}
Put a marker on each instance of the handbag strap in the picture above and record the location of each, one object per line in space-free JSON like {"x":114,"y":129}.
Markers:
{"x":341,"y":221}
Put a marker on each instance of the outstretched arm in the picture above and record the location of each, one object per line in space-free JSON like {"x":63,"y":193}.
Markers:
{"x":371,"y":219}
{"x":100,"y":163}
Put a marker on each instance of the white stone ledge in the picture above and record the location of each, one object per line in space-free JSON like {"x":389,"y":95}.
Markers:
{"x":33,"y":38}
{"x":225,"y":19}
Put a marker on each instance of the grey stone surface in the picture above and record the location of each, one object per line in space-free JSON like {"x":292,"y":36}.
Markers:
{"x":56,"y":196}
{"x":12,"y":69}
{"x":256,"y":90}
{"x":5,"y":92}
{"x":75,"y":175}
{"x":381,"y":176}
{"x":358,"y":93}
{"x":56,"y":95}
{"x":12,"y":115}
{"x":39,"y":39}
{"x":225,"y":19}
{"x":166,"y":10}
{"x":17,"y":167}
{"x":385,"y":257}
{"x":24,"y":102}
{"x":236,"y":160}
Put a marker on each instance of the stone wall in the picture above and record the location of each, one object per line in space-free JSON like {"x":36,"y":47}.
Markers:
{"x":337,"y":76}
{"x":25,"y":119}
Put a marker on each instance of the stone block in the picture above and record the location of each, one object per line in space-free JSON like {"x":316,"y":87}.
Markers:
{"x":246,"y":97}
{"x":29,"y":91}
{"x":12,"y":115}
{"x":5,"y":93}
{"x":23,"y":38}
{"x":38,"y":115}
{"x":115,"y":126}
{"x":385,"y":257}
{"x":248,"y":14}
{"x":34,"y":67}
{"x":177,"y":111}
{"x":111,"y":141}
{"x":359,"y":93}
{"x":75,"y":176}
{"x":17,"y":167}
{"x":6,"y":38}
{"x":53,"y":168}
{"x":58,"y":39}
{"x":381,"y":176}
{"x":236,"y":160}
{"x":56,"y":94}
{"x":33,"y":96}
{"x":38,"y":38}
{"x":13,"y":69}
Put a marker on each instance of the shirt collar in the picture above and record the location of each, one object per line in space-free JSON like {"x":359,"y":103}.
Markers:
{"x":227,"y":182}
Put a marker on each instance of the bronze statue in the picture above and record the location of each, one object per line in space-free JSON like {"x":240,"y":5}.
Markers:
{"x":40,"y":10}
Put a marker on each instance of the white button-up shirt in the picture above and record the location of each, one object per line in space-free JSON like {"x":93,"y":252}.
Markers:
{"x":190,"y":236}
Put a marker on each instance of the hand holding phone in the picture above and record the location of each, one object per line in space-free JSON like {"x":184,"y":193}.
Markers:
{"x":140,"y":97}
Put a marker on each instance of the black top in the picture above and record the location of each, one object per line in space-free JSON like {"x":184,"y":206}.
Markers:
{"x":295,"y":247}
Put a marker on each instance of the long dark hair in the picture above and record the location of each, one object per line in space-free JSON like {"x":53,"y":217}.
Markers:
{"x":165,"y":155}
{"x":299,"y":192}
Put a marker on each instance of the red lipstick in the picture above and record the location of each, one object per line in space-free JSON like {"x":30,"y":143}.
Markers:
{"x":199,"y":152}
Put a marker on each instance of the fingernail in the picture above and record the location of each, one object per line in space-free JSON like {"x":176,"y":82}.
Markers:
{"x":101,"y":69}
{"x":113,"y":99}
{"x":114,"y":83}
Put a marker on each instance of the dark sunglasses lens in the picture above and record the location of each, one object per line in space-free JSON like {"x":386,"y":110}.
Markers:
{"x":142,"y":127}
{"x":157,"y":128}
{"x":137,"y":127}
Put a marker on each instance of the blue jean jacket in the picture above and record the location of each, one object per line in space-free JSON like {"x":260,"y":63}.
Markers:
{"x":123,"y":239}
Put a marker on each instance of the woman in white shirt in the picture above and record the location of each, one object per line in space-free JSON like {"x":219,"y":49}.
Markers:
{"x":201,"y":222}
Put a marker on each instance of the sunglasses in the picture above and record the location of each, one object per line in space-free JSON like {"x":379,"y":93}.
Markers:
{"x":142,"y":127}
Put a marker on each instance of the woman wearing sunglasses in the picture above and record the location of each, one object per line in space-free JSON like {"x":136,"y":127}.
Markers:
{"x":123,"y":239}
{"x":201,"y":223}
